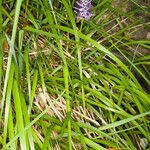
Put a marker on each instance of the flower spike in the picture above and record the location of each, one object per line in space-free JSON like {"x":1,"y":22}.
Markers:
{"x":82,"y":9}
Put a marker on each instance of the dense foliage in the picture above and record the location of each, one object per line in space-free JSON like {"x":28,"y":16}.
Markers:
{"x":70,"y":83}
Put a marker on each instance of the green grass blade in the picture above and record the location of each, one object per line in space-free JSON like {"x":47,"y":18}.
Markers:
{"x":19,"y":115}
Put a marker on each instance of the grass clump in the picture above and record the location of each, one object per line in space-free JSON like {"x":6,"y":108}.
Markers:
{"x":74,"y":84}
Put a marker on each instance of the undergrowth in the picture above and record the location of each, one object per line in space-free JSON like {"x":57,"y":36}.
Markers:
{"x":68,"y":83}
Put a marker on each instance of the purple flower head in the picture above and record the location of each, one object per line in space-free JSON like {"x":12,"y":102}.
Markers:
{"x":82,"y":9}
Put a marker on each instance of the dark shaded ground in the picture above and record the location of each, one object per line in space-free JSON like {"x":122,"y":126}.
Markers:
{"x":144,"y":16}
{"x":140,"y":10}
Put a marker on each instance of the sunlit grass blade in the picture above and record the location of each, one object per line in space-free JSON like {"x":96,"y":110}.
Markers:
{"x":27,"y":121}
{"x":8,"y":111}
{"x":19,"y":115}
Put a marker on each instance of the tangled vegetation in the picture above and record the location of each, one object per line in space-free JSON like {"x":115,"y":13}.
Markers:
{"x":70,"y":83}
